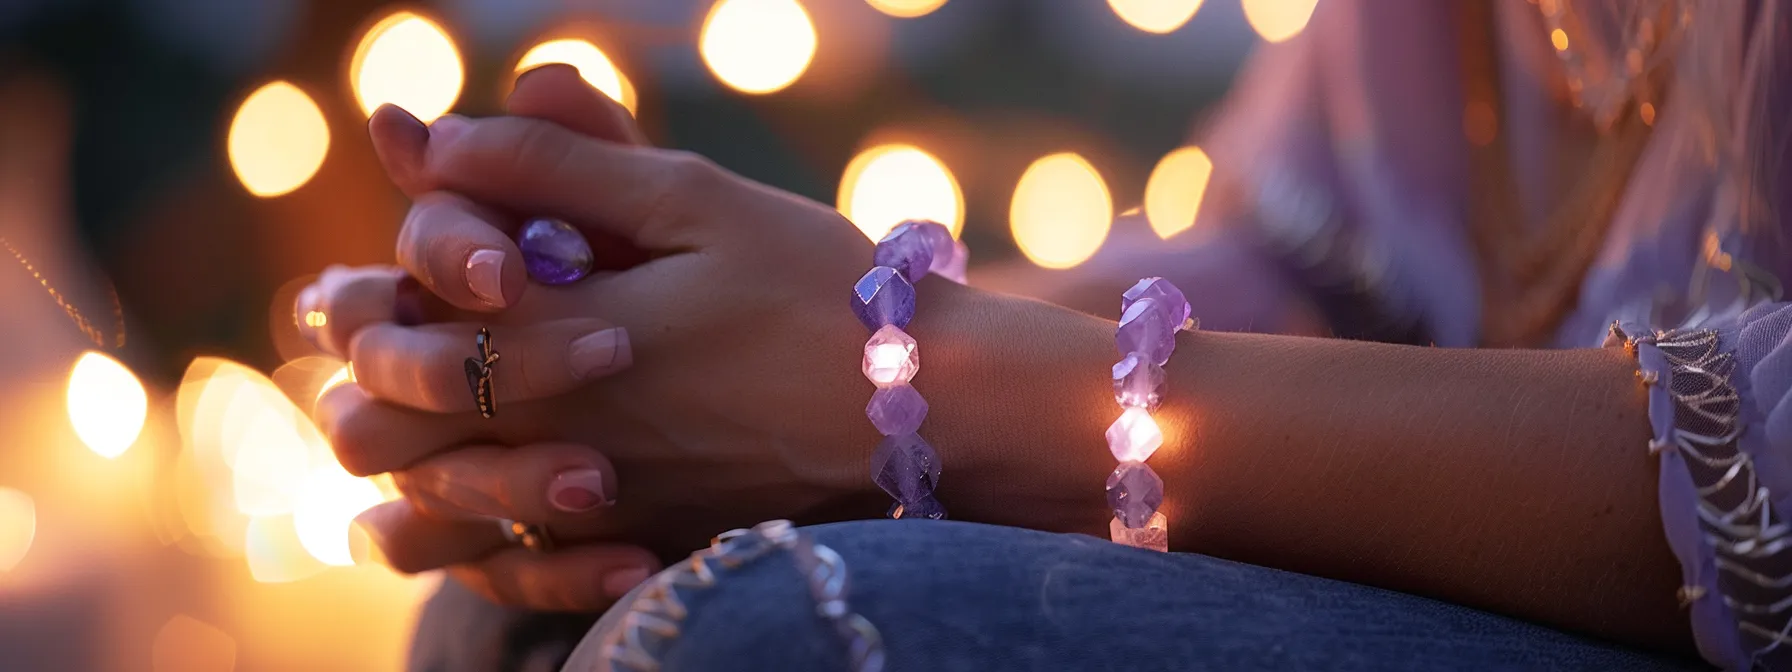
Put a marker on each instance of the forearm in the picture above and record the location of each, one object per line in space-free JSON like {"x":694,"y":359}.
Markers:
{"x":1514,"y":481}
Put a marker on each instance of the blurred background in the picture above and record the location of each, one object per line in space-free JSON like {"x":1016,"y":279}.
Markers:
{"x":172,"y":171}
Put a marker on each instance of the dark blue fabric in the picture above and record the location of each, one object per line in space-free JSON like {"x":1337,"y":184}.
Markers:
{"x":957,"y":596}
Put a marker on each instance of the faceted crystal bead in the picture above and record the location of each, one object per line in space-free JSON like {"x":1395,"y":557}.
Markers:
{"x":1155,"y":535}
{"x":912,"y":247}
{"x":925,"y":507}
{"x":553,"y":252}
{"x":897,"y":410}
{"x":952,"y":267}
{"x":906,"y":467}
{"x":1134,"y":493}
{"x":1167,"y":296}
{"x":1146,"y":330}
{"x":1139,"y":383}
{"x":1135,"y":436}
{"x":891,"y":357}
{"x":882,"y":296}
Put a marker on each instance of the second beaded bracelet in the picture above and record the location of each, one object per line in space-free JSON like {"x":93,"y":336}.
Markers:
{"x":1150,"y":315}
{"x":904,"y":466}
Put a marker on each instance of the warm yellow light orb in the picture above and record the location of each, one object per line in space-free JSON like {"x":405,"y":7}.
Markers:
{"x":18,"y":527}
{"x":106,"y":404}
{"x":1173,"y":194}
{"x":326,"y":509}
{"x":278,"y":140}
{"x":757,"y":46}
{"x":1061,"y":211}
{"x":408,"y":61}
{"x":906,"y":9}
{"x":887,"y":184}
{"x":593,"y":66}
{"x":1155,"y":16}
{"x":1278,"y":20}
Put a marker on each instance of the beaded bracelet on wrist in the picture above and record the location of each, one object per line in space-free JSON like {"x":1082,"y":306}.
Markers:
{"x":904,"y":465}
{"x":1150,"y":315}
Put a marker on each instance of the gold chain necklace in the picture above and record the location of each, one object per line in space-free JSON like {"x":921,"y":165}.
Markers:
{"x":81,"y":322}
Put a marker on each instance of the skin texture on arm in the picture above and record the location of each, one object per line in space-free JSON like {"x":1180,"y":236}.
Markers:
{"x":1509,"y":480}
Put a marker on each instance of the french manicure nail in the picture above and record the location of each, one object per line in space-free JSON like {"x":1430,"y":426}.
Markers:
{"x":577,"y":490}
{"x":485,"y":276}
{"x":446,"y":127}
{"x":600,"y":353}
{"x":618,"y":583}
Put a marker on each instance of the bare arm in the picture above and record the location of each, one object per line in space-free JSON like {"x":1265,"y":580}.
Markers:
{"x":1508,"y":480}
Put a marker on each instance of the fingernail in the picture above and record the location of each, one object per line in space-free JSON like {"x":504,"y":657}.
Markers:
{"x":618,"y":583}
{"x":600,"y":353}
{"x":447,"y":127}
{"x":485,"y":276}
{"x":407,"y":304}
{"x":578,"y":490}
{"x":306,"y":314}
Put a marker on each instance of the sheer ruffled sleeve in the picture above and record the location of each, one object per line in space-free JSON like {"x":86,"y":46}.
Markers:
{"x":1720,"y":408}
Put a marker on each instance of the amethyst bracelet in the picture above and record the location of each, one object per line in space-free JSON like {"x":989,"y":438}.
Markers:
{"x":904,"y":465}
{"x":1150,"y":315}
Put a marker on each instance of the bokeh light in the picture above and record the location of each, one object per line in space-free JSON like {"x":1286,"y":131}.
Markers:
{"x":278,"y":140}
{"x":185,"y":644}
{"x":1174,"y":192}
{"x":1061,"y":211}
{"x":906,"y":9}
{"x":408,"y":61}
{"x":326,"y":510}
{"x":593,"y":66}
{"x":106,"y":404}
{"x":757,"y":46}
{"x":887,"y":184}
{"x":18,"y":527}
{"x":1155,"y":16}
{"x":1278,"y":20}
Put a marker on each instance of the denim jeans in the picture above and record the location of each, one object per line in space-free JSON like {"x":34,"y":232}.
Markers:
{"x":952,"y":596}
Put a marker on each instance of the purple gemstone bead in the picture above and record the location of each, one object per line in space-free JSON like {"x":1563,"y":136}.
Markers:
{"x":896,"y":410}
{"x":882,"y":296}
{"x":953,"y":267}
{"x":1167,"y":296}
{"x":912,"y":248}
{"x":1139,"y":383}
{"x":906,"y":467}
{"x":1146,"y":330}
{"x":554,"y":252}
{"x":925,"y":507}
{"x":1134,"y":492}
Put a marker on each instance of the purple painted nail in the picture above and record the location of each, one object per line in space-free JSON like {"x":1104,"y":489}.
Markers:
{"x":407,"y":304}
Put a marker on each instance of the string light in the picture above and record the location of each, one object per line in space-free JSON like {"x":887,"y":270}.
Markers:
{"x":757,"y":46}
{"x":1278,"y":20}
{"x":81,"y":322}
{"x":278,"y":140}
{"x":408,"y":61}
{"x":1155,"y":16}
{"x":1173,"y":193}
{"x":1061,"y":211}
{"x":906,"y":9}
{"x":106,"y":404}
{"x":593,"y":66}
{"x":887,"y":184}
{"x":18,"y":527}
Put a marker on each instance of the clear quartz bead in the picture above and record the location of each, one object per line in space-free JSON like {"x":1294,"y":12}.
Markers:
{"x":1139,"y":383}
{"x":891,"y":357}
{"x":1134,"y":436}
{"x":1155,"y":535}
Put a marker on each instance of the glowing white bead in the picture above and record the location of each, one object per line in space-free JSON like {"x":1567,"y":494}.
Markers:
{"x":891,"y":357}
{"x":1135,"y":436}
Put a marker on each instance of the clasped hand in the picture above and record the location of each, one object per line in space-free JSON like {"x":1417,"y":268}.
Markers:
{"x":691,"y":384}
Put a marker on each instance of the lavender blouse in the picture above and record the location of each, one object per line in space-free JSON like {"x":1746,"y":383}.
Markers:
{"x":1342,"y":171}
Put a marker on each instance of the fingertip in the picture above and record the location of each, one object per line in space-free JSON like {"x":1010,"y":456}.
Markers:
{"x":399,"y":140}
